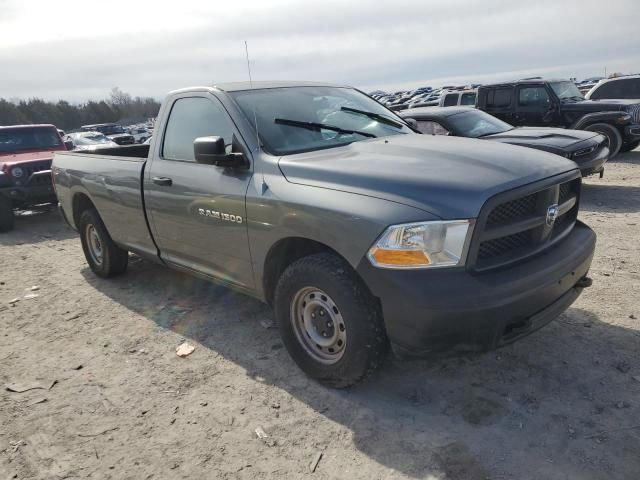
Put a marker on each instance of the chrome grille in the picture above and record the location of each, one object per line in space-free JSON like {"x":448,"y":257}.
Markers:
{"x":519,"y":226}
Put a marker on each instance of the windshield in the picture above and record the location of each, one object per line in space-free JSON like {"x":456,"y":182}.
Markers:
{"x":476,"y":124}
{"x":349,"y":115}
{"x":567,"y":91}
{"x":36,"y":138}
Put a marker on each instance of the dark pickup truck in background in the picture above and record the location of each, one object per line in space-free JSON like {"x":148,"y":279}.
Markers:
{"x":358,"y":231}
{"x":558,"y":103}
{"x":26,"y":152}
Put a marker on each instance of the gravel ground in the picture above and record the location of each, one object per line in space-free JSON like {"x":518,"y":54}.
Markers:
{"x":562,"y":403}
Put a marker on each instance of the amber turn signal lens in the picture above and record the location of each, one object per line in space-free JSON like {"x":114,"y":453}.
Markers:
{"x":405,"y":258}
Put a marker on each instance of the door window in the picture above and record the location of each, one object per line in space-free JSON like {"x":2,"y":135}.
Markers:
{"x":450,"y":100}
{"x":533,"y":97}
{"x":429,"y":127}
{"x":189,"y":119}
{"x":627,"y":88}
{"x":499,"y":97}
{"x":468,"y":99}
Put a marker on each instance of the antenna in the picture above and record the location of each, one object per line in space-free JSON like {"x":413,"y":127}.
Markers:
{"x":255,"y":118}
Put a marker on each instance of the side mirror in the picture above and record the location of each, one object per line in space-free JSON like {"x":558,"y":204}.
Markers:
{"x":212,"y":151}
{"x":413,"y":124}
{"x":69,"y":144}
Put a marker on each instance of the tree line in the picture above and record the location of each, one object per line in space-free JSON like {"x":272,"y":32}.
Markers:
{"x":120,"y":107}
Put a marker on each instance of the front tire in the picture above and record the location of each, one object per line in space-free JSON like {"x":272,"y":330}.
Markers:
{"x":7,"y":218}
{"x":611,"y":133}
{"x":329,"y":322}
{"x":104,"y":257}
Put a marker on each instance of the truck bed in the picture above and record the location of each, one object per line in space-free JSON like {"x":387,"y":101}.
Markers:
{"x":114,"y":185}
{"x":129,"y":151}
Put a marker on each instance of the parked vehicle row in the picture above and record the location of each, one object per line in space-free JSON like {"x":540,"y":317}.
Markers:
{"x":361,"y":233}
{"x":427,"y":96}
{"x":615,"y":87}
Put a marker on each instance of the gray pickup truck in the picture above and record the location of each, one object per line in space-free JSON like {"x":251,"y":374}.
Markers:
{"x":361,"y":233}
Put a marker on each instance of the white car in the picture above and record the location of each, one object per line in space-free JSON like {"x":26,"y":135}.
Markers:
{"x":90,"y":141}
{"x":624,"y":87}
{"x":139,"y":134}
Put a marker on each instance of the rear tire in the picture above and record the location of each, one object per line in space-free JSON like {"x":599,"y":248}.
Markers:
{"x":104,"y":257}
{"x":345,"y":341}
{"x":611,"y":133}
{"x":627,"y":147}
{"x":7,"y":218}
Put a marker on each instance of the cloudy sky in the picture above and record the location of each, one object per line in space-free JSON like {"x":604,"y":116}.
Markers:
{"x":79,"y":49}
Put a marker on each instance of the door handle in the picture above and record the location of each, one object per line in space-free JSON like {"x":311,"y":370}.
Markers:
{"x":163,"y":181}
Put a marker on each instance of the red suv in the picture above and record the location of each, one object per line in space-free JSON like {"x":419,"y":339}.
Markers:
{"x":26,"y":152}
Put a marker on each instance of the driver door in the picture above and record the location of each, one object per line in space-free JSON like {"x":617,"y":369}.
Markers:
{"x":197,"y":211}
{"x":534,"y":107}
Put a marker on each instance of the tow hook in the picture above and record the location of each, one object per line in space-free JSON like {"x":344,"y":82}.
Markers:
{"x":584,"y":282}
{"x":602,"y":172}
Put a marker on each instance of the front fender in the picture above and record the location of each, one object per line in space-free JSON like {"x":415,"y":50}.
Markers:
{"x":614,"y":117}
{"x":347,"y":223}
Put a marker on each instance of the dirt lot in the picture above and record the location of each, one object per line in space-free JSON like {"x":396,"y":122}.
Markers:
{"x":563,"y":403}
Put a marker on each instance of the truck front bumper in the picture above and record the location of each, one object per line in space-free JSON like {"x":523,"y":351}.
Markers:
{"x":589,"y":166}
{"x":427,"y":311}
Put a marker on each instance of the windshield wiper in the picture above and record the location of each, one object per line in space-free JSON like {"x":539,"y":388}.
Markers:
{"x":320,"y":126}
{"x":375,"y":116}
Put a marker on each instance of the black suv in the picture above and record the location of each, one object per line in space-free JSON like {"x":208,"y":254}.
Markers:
{"x":559,"y":103}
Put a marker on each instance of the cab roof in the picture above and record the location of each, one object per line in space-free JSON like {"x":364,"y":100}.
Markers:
{"x":238,"y":86}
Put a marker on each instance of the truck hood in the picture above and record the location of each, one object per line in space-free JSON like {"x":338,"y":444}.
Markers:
{"x":542,"y":137}
{"x":21,"y":157}
{"x":449,"y":177}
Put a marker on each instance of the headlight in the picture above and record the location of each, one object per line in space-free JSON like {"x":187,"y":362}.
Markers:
{"x":422,"y":245}
{"x":17,"y":172}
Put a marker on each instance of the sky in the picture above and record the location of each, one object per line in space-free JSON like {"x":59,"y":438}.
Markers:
{"x":78,"y":50}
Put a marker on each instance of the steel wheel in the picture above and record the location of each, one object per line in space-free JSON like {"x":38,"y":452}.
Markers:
{"x":94,"y":243}
{"x":318,"y":325}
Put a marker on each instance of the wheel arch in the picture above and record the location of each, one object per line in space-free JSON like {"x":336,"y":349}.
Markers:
{"x":79,"y":203}
{"x":285,"y":252}
{"x":599,"y":117}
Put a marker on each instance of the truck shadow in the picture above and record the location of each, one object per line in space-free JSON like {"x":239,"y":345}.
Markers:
{"x":610,"y":198}
{"x":632,"y":157}
{"x":30,"y":225}
{"x":537,"y":400}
